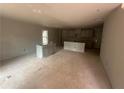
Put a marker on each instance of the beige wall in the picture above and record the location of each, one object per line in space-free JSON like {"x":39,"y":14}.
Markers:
{"x":0,"y":39}
{"x":112,"y":48}
{"x":18,"y":38}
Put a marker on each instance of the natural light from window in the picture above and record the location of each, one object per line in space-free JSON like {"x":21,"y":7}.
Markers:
{"x":45,"y":37}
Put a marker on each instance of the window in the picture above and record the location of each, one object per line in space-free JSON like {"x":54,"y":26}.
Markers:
{"x":45,"y":37}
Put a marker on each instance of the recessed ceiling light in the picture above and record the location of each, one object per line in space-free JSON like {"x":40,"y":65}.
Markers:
{"x":39,"y":11}
{"x":34,"y":10}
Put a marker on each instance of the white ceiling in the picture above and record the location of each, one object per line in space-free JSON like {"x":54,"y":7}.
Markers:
{"x":59,"y":15}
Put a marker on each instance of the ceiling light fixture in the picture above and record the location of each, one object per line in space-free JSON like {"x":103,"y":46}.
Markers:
{"x":34,"y":10}
{"x":39,"y":11}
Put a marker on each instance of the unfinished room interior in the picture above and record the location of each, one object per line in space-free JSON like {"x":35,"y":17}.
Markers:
{"x":61,"y":46}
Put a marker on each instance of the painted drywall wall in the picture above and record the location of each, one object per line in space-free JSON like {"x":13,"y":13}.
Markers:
{"x":18,"y":38}
{"x":0,"y":40}
{"x":112,"y":48}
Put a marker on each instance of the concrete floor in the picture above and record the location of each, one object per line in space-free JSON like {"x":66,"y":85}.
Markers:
{"x":65,"y":69}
